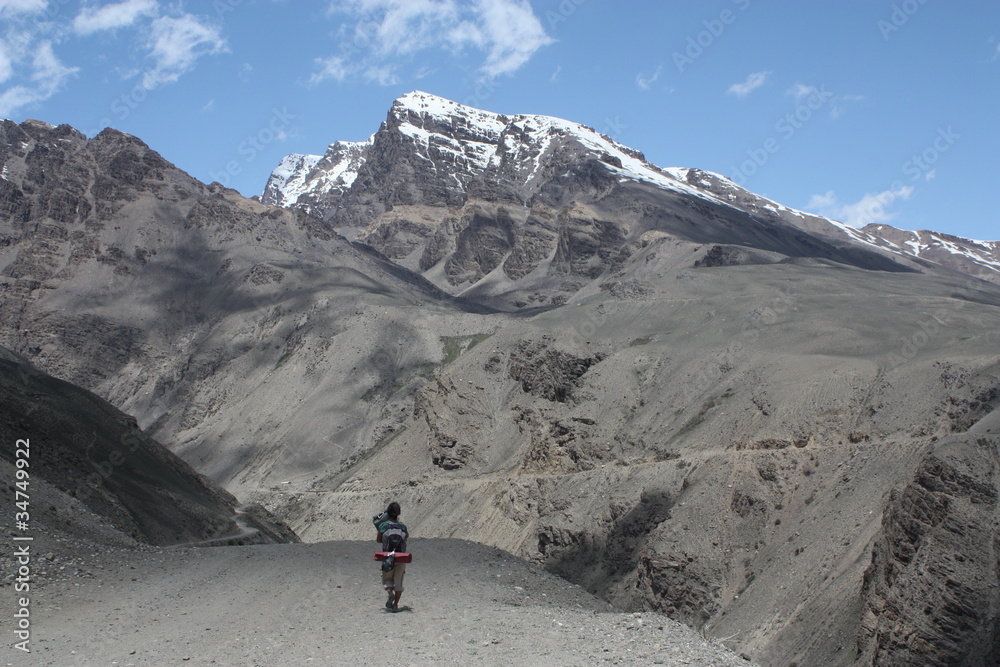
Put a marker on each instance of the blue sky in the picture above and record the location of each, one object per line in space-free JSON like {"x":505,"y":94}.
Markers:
{"x":866,"y":111}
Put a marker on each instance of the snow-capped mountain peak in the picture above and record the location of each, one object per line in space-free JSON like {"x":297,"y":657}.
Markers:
{"x":297,"y":179}
{"x":469,"y":144}
{"x":427,"y":190}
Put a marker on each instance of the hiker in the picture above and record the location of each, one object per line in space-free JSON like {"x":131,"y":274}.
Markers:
{"x":392,"y":534}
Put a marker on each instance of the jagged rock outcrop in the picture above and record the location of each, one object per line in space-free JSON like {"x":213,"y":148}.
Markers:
{"x":975,"y":258}
{"x":931,"y":591}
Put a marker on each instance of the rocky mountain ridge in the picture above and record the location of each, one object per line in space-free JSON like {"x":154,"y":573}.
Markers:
{"x":419,"y":191}
{"x":976,"y":258}
{"x":124,"y":275}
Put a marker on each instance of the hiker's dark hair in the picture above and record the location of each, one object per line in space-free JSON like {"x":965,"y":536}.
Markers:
{"x":393,"y":510}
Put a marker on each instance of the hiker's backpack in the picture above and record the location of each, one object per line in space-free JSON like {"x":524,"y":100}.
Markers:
{"x":393,"y":537}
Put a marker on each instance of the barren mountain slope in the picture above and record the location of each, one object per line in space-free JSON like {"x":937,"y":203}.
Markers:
{"x":87,"y":470}
{"x":725,"y":444}
{"x":250,"y":339}
{"x":525,"y":210}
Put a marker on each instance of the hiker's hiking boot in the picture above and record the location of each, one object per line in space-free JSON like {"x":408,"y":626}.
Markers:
{"x":389,"y":603}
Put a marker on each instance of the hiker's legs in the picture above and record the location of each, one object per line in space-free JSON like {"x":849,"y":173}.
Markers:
{"x":397,"y":583}
{"x":387,"y":583}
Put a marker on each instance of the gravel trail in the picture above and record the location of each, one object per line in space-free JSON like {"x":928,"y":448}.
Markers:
{"x":322,"y":604}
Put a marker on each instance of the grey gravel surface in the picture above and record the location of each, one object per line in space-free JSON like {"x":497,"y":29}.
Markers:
{"x":321,"y":604}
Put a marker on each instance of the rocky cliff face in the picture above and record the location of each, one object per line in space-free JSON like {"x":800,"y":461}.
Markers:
{"x":930,"y":593}
{"x":731,"y":457}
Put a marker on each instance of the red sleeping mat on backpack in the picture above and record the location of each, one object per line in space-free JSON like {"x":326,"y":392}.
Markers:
{"x":400,"y":556}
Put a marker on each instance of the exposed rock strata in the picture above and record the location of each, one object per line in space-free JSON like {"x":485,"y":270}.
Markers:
{"x":931,"y":592}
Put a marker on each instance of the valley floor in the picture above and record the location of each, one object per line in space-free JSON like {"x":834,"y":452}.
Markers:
{"x":322,"y":604}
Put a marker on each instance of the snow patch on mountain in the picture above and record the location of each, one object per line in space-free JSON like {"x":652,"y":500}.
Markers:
{"x":298,"y":176}
{"x":942,"y":248}
{"x":289,"y":178}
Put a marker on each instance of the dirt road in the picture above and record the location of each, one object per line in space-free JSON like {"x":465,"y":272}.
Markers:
{"x":321,"y":604}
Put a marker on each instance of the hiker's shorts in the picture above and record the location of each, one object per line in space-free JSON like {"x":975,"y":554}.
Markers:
{"x":394,"y":577}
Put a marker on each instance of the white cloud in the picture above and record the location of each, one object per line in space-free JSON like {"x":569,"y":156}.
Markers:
{"x":506,"y":32}
{"x":49,"y":72}
{"x":383,"y":75}
{"x":822,"y":202}
{"x":753,"y":82}
{"x":6,"y":61}
{"x":403,"y":26}
{"x":872,"y":209}
{"x":801,"y":91}
{"x":32,"y":73}
{"x":48,"y":75}
{"x":334,"y":67}
{"x":512,"y":35}
{"x":176,"y":44}
{"x":15,"y":49}
{"x":11,"y":7}
{"x":646,"y":82}
{"x":115,"y":15}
